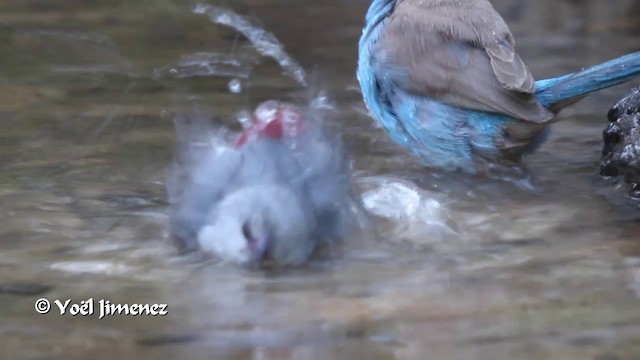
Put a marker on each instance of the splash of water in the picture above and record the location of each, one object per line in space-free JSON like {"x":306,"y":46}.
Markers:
{"x":415,"y":214}
{"x":264,"y":42}
{"x":210,"y":63}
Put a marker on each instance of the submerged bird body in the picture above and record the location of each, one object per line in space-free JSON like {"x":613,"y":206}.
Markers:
{"x":277,"y":192}
{"x":445,"y":81}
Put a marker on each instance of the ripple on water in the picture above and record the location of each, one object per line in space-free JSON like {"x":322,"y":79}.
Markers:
{"x":411,"y":213}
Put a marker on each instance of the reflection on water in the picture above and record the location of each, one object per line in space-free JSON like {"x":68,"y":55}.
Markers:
{"x":463,"y":268}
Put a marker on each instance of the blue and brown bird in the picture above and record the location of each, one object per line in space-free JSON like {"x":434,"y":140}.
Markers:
{"x":444,"y":79}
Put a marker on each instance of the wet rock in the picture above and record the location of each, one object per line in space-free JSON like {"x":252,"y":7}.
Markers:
{"x":621,"y":151}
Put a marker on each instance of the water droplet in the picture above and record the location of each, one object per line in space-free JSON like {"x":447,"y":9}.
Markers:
{"x":235,"y":86}
{"x":267,"y":111}
{"x":244,"y":117}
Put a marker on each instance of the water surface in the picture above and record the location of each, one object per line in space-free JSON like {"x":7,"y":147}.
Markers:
{"x":472,"y":268}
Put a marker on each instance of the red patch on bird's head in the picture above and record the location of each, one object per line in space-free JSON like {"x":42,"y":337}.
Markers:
{"x":275,"y":120}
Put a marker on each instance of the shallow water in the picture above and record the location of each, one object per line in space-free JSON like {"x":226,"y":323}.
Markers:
{"x":471,"y":268}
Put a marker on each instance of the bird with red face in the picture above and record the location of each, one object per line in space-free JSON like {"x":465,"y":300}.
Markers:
{"x":273,"y":194}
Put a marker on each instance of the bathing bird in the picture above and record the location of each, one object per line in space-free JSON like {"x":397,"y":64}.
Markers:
{"x":445,"y":81}
{"x":274,"y":194}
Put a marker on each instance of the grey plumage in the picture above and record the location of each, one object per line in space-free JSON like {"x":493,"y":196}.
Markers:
{"x":270,"y":198}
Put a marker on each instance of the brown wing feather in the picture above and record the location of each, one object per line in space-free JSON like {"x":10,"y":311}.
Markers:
{"x":438,"y":50}
{"x":509,"y":68}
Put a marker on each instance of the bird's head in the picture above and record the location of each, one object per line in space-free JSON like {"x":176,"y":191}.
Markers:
{"x":258,"y":224}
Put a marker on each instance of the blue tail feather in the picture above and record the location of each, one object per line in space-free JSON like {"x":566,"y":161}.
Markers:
{"x":559,"y":92}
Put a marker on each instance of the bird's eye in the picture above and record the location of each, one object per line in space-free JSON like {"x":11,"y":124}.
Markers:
{"x":246,"y":232}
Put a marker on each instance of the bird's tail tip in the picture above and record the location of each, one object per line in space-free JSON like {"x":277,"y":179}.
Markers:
{"x":565,"y":90}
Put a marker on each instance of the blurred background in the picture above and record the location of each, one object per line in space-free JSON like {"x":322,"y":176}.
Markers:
{"x":466,"y":268}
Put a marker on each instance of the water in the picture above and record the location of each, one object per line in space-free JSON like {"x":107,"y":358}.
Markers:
{"x":464,"y":268}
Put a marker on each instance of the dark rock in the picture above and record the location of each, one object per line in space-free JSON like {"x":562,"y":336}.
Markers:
{"x":628,"y":105}
{"x":621,"y":151}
